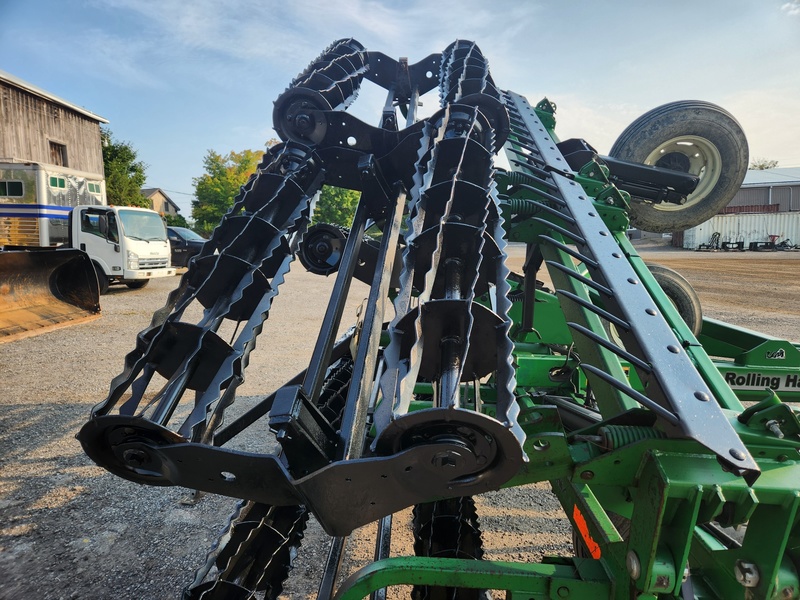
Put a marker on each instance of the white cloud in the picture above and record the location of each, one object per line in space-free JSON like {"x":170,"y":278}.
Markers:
{"x":243,"y":30}
{"x":118,"y":59}
{"x":769,"y":117}
{"x":97,"y":55}
{"x":222,"y":64}
{"x":599,"y":123}
{"x":792,"y":8}
{"x":290,"y":33}
{"x":260,"y":45}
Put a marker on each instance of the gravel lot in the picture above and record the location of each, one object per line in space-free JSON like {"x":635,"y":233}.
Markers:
{"x":68,"y":529}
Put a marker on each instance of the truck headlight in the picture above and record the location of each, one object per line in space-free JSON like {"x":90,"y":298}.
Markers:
{"x":133,"y":260}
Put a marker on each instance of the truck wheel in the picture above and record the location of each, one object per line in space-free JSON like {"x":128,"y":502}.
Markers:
{"x":681,"y":294}
{"x":138,"y":284}
{"x":693,"y":137}
{"x":102,"y":281}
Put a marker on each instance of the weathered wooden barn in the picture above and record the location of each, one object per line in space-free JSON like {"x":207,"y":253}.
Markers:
{"x":50,"y":156}
{"x":36,"y":126}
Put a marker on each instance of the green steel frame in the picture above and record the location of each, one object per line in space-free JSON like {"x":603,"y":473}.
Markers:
{"x":654,"y":517}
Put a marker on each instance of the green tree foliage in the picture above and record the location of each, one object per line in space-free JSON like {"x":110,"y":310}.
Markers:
{"x":215,"y":189}
{"x":336,"y":205}
{"x":224,"y":175}
{"x":125,"y":175}
{"x":176,"y":221}
{"x":762,"y":164}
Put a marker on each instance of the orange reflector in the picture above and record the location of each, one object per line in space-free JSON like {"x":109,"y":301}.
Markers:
{"x":583,"y":529}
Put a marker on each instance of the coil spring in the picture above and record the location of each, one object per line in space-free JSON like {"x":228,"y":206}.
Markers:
{"x":617,"y":436}
{"x":521,"y":206}
{"x":519,"y":177}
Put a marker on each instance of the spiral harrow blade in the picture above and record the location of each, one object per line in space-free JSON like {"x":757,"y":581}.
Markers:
{"x":448,"y":529}
{"x":465,"y":79}
{"x":235,"y":279}
{"x":344,"y":422}
{"x":441,"y":334}
{"x":435,"y":395}
{"x":330,"y":82}
{"x":254,"y":554}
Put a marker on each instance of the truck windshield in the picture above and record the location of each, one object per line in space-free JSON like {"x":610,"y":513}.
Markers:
{"x":188,"y":234}
{"x":141,"y":225}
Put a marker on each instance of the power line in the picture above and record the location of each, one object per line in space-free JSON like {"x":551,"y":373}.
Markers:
{"x":176,"y":192}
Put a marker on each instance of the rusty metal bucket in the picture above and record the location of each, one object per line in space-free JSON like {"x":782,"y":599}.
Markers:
{"x":45,"y":288}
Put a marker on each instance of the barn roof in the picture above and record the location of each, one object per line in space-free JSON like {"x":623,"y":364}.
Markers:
{"x":24,"y":85}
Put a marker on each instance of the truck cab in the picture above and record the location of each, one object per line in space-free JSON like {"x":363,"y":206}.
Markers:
{"x":127,"y":245}
{"x":185,"y":244}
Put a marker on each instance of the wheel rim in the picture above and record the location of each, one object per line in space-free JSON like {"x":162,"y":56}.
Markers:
{"x":690,"y":154}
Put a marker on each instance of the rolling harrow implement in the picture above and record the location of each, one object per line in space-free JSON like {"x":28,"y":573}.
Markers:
{"x":462,"y":377}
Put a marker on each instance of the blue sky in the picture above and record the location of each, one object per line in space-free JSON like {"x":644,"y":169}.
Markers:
{"x":177,"y":78}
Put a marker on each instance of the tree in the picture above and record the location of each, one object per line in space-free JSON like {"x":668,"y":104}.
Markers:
{"x":176,"y":221}
{"x":125,"y":175}
{"x":216,"y":189}
{"x":336,"y":205}
{"x":224,"y":175}
{"x":762,"y":164}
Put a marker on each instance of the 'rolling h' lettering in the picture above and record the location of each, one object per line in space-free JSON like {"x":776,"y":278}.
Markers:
{"x":758,"y":380}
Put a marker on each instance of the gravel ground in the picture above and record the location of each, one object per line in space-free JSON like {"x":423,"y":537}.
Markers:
{"x":68,"y":529}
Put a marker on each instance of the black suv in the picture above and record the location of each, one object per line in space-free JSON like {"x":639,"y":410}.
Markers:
{"x":184,"y":244}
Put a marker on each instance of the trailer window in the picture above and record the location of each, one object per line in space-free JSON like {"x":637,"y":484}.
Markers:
{"x":58,"y":182}
{"x":94,"y":188}
{"x":11,"y":189}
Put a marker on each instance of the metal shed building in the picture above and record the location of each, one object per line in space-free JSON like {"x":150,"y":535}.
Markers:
{"x":766,"y":208}
{"x":778,"y":188}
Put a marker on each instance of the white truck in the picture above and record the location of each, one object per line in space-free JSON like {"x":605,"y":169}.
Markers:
{"x":126,"y":244}
{"x":47,"y":206}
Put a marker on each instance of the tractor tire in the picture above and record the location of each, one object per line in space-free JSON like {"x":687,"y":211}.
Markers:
{"x":102,"y":280}
{"x":681,"y":294}
{"x":138,"y":284}
{"x":693,"y":137}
